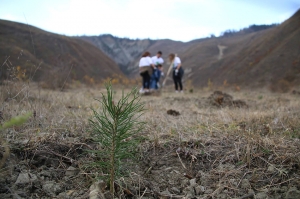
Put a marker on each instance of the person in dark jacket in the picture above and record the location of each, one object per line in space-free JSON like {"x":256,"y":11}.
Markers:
{"x":177,"y":72}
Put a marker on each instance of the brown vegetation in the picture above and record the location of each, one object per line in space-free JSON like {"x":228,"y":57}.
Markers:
{"x":206,"y":151}
{"x":250,"y":58}
{"x":215,"y":147}
{"x":259,"y":59}
{"x":50,"y":58}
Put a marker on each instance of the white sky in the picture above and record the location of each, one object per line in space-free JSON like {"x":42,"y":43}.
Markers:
{"x":156,"y":19}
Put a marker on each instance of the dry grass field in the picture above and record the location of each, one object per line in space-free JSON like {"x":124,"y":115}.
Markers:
{"x":220,"y":141}
{"x":210,"y":148}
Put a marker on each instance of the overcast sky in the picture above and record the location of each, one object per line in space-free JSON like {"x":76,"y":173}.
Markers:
{"x":156,"y":19}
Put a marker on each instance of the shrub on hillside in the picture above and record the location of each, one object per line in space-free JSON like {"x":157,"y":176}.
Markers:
{"x":282,"y":86}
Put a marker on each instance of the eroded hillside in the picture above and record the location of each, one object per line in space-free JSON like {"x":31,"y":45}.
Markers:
{"x":265,"y":58}
{"x":44,"y":55}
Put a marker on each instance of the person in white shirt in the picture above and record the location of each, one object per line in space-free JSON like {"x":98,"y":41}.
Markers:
{"x":177,"y":71}
{"x":158,"y":62}
{"x":157,"y":59}
{"x":146,"y":67}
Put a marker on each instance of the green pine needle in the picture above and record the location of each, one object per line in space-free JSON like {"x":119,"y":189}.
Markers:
{"x":115,"y":129}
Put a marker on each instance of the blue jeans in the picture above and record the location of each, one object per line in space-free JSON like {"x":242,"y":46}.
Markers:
{"x":154,"y":79}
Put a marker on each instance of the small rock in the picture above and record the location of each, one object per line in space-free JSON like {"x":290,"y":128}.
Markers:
{"x":233,"y":181}
{"x":193,"y":182}
{"x":185,"y":182}
{"x":208,"y":191}
{"x":72,"y":193}
{"x":199,"y":190}
{"x":190,"y":195}
{"x":293,"y":192}
{"x":13,"y":178}
{"x":25,"y":178}
{"x":278,"y":196}
{"x":222,"y":196}
{"x":251,"y":191}
{"x":72,"y":171}
{"x":245,"y":184}
{"x":63,"y":195}
{"x":175,"y":190}
{"x":81,"y":192}
{"x":45,"y":173}
{"x":156,"y":189}
{"x":96,"y":190}
{"x":52,"y":188}
{"x":271,"y":168}
{"x":165,"y":193}
{"x":261,"y":195}
{"x":190,"y":192}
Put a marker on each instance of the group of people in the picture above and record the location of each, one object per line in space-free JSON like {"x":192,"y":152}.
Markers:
{"x":151,"y":69}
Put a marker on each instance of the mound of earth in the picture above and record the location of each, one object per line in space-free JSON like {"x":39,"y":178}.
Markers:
{"x":173,"y":112}
{"x":220,"y":99}
{"x":294,"y":92}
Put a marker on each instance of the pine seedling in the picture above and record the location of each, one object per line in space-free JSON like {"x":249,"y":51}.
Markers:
{"x":115,"y":128}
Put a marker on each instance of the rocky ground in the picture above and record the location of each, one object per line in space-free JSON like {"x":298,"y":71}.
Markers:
{"x":196,"y":145}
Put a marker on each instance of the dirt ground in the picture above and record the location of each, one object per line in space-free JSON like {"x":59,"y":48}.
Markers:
{"x":203,"y":144}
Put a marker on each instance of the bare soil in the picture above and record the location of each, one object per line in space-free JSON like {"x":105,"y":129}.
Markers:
{"x":205,"y":150}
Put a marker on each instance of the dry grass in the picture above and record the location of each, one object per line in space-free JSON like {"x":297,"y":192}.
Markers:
{"x":227,"y":144}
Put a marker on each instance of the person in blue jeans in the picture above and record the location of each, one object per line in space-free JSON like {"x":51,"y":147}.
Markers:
{"x":157,"y":73}
{"x":157,"y":61}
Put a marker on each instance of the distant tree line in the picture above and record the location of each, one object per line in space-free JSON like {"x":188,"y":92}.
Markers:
{"x":123,"y":38}
{"x":250,"y":29}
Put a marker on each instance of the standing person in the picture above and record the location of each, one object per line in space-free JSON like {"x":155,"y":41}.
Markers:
{"x":177,"y":72}
{"x":157,"y":73}
{"x":157,"y":59}
{"x":158,"y":62}
{"x":146,"y":67}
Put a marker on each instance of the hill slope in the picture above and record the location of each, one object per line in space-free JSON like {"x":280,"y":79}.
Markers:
{"x":268,"y":57}
{"x":127,"y":52}
{"x":50,"y":55}
{"x":122,"y":50}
